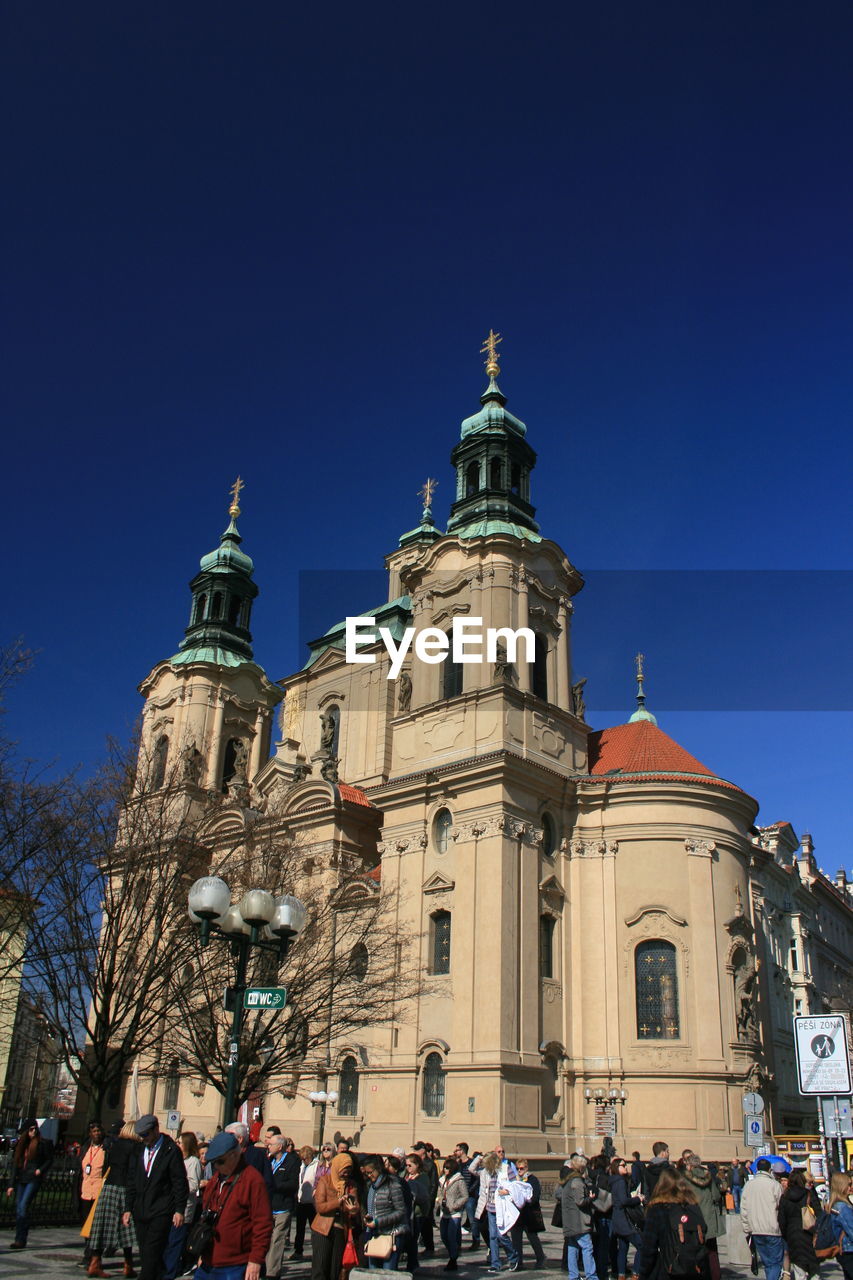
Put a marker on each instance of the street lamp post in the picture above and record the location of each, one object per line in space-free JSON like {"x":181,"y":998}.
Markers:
{"x":258,"y":920}
{"x":319,"y":1098}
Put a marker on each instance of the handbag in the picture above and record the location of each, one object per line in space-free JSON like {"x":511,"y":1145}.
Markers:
{"x":200,"y":1238}
{"x":350,"y":1258}
{"x":635,"y":1215}
{"x":379,"y":1247}
{"x":809,"y":1218}
{"x":557,"y":1215}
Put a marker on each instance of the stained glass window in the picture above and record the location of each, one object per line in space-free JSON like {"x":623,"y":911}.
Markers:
{"x":348,"y":1092}
{"x":434,"y":1075}
{"x":441,"y":942}
{"x":657,"y":990}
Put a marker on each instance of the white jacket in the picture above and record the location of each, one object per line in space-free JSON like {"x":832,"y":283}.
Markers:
{"x":507,"y":1208}
{"x":759,"y":1205}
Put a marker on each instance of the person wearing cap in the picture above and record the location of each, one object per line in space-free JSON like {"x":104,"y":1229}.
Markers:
{"x":238,"y":1195}
{"x":251,"y":1154}
{"x":157,"y":1192}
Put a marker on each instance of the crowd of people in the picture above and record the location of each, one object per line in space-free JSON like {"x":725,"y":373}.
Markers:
{"x":237,"y":1209}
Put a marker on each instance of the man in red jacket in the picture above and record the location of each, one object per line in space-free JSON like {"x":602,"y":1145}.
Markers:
{"x":238,"y":1195}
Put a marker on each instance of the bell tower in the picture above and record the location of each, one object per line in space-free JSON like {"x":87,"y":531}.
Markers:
{"x":209,"y":708}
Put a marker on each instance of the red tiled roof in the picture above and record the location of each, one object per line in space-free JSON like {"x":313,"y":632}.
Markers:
{"x":643,"y":750}
{"x":353,"y":795}
{"x":374,"y":874}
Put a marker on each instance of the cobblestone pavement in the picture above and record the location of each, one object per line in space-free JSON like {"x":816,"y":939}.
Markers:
{"x":53,"y":1252}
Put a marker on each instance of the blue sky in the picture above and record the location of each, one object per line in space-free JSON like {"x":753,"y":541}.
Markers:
{"x":270,"y":240}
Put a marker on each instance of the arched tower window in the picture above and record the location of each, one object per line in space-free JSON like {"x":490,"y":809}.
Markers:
{"x":515,"y":479}
{"x":172,"y":1085}
{"x":348,"y":1091}
{"x":441,"y":827}
{"x":657,"y":990}
{"x":540,"y":667}
{"x":358,"y":962}
{"x":451,"y":673}
{"x":200,"y":606}
{"x":433,"y":1090}
{"x":495,"y":475}
{"x":546,"y":946}
{"x":440,"y":942}
{"x":472,"y":479}
{"x":234,"y":606}
{"x":216,"y":605}
{"x":161,"y":756}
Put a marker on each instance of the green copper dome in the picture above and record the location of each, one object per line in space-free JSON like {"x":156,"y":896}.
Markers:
{"x":223,"y":592}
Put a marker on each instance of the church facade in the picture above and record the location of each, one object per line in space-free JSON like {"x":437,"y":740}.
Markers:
{"x":587,"y":905}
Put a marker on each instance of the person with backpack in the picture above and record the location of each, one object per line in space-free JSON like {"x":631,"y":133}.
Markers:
{"x":673,"y":1245}
{"x":840,"y":1208}
{"x":797,"y":1220}
{"x":709,"y":1197}
{"x":759,"y":1217}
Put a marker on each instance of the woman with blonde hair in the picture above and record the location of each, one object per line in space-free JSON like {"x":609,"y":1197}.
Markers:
{"x":674,"y":1232}
{"x":108,"y":1233}
{"x":839,"y":1204}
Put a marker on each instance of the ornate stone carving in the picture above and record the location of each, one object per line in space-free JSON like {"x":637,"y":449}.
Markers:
{"x":700,"y":848}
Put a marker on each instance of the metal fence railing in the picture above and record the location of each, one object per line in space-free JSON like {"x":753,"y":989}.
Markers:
{"x":55,"y":1203}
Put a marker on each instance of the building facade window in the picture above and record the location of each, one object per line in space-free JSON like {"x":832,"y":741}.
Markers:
{"x":540,"y":667}
{"x":657,"y":990}
{"x":358,"y":962}
{"x":451,"y":673}
{"x":161,"y":756}
{"x":171,"y":1086}
{"x":495,"y":473}
{"x":551,"y":1088}
{"x":441,"y":828}
{"x":348,"y":1091}
{"x":440,"y":942}
{"x":549,"y":838}
{"x":546,"y":946}
{"x":433,"y":1088}
{"x":472,"y":479}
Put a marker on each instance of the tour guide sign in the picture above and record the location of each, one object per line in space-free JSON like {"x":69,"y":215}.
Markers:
{"x":822,"y":1059}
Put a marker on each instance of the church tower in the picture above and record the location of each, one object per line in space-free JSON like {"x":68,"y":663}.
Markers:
{"x":209,"y":708}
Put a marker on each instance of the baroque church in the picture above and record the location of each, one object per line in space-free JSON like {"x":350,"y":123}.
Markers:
{"x":587,"y":902}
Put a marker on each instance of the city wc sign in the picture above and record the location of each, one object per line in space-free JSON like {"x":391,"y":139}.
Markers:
{"x":822,"y":1058}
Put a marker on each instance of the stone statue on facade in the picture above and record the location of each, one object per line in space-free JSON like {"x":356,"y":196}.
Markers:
{"x":578,"y":701}
{"x":404,"y":695}
{"x":327,"y":731}
{"x":745,"y":978}
{"x":329,"y":769}
{"x":504,"y":670}
{"x":191,"y":764}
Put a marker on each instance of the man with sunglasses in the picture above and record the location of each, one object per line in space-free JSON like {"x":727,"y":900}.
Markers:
{"x":237,"y":1196}
{"x":157,"y":1194}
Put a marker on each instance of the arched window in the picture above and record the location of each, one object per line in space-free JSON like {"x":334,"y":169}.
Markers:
{"x":234,"y":607}
{"x":495,"y":473}
{"x":440,"y":942}
{"x":216,"y":605}
{"x":358,"y":962}
{"x":230,"y":759}
{"x":200,"y":606}
{"x":172,"y":1085}
{"x":546,"y":946}
{"x":540,"y":667}
{"x":441,"y":828}
{"x":434,"y":1075}
{"x":472,"y":479}
{"x":657,"y":990}
{"x":451,"y":673}
{"x":161,"y":755}
{"x":515,"y":481}
{"x":348,"y":1091}
{"x":548,"y":835}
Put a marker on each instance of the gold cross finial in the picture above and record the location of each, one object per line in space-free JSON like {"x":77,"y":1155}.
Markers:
{"x":640,"y":658}
{"x":234,"y":509}
{"x":427,"y":490}
{"x":641,"y":693}
{"x":490,"y":350}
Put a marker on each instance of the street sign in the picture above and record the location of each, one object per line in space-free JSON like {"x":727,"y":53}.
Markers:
{"x":842,"y":1126}
{"x":265,"y":998}
{"x":605,"y":1121}
{"x":173,"y":1120}
{"x":753,"y":1104}
{"x":822,"y":1059}
{"x":753,"y":1131}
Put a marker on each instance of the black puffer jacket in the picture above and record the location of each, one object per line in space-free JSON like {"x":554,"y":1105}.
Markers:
{"x":799,"y":1241}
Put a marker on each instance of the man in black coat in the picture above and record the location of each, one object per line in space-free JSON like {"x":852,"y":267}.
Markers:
{"x":157,"y":1193}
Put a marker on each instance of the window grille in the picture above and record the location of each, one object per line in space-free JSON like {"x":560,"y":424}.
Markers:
{"x":434,"y":1075}
{"x":657,"y":991}
{"x":441,"y":942}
